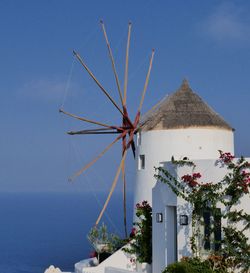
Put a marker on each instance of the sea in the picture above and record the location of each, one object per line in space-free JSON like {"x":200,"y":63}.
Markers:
{"x":42,"y":229}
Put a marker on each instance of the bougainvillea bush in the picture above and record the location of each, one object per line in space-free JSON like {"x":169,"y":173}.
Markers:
{"x":141,"y":235}
{"x":233,"y":249}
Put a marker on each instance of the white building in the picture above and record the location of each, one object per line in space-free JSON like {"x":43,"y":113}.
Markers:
{"x":181,"y":125}
{"x":171,"y":239}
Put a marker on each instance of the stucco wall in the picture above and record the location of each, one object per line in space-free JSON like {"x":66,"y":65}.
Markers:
{"x":164,"y":197}
{"x":160,"y":145}
{"x":119,"y":260}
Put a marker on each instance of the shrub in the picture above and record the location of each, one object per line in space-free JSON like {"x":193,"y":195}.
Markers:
{"x":141,"y":243}
{"x":189,"y":265}
{"x":178,"y":267}
{"x":102,"y":241}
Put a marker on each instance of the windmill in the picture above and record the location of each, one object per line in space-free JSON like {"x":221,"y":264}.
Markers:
{"x":126,"y":130}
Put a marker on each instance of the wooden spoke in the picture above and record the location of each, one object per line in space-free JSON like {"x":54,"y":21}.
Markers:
{"x":97,"y":82}
{"x":112,"y":189}
{"x":94,"y":132}
{"x":124,"y":200}
{"x":126,"y":130}
{"x":126,"y":66}
{"x":147,"y":79}
{"x":133,"y":147}
{"x":95,"y":159}
{"x":84,"y":119}
{"x":112,"y":61}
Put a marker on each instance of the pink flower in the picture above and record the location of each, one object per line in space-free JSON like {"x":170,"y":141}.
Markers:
{"x":133,"y":232}
{"x":193,"y":183}
{"x":191,"y":179}
{"x":226,"y":157}
{"x":132,"y":260}
{"x":92,"y":254}
{"x":186,"y":178}
{"x":196,"y":175}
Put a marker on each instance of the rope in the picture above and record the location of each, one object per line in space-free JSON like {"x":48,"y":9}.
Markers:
{"x":90,"y":36}
{"x":92,"y":190}
{"x":120,"y":42}
{"x":94,"y":160}
{"x":68,"y":82}
{"x":138,"y":68}
{"x":66,"y":91}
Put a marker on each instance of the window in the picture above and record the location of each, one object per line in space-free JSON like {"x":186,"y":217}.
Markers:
{"x":138,"y":138}
{"x":206,"y":217}
{"x":212,"y":229}
{"x":141,"y":163}
{"x":217,"y":230}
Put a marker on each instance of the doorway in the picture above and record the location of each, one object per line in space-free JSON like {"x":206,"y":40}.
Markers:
{"x":171,"y":234}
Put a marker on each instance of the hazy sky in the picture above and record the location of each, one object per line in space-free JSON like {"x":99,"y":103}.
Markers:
{"x":207,"y":42}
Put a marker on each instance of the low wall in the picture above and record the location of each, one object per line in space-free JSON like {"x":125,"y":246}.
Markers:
{"x":119,"y":260}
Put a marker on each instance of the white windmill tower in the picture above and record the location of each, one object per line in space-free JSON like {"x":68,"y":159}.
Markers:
{"x":181,"y":125}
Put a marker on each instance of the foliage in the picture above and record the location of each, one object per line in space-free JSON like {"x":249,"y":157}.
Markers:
{"x":115,"y":243}
{"x":234,"y":252}
{"x":98,"y":235}
{"x":102,"y":241}
{"x":141,"y":243}
{"x":178,"y":267}
{"x":189,"y":265}
{"x":218,"y":263}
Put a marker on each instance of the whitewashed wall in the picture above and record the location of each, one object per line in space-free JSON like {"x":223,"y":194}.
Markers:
{"x":119,"y":260}
{"x":160,"y":145}
{"x":163,"y":197}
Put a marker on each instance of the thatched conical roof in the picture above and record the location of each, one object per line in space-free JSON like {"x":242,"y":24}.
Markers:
{"x":182,"y":109}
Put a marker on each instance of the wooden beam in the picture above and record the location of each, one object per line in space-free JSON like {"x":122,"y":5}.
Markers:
{"x":94,"y":131}
{"x":112,"y":61}
{"x":86,"y":120}
{"x":96,"y":81}
{"x":124,"y":200}
{"x":146,"y":81}
{"x":112,"y":189}
{"x":126,"y":66}
{"x":94,"y":160}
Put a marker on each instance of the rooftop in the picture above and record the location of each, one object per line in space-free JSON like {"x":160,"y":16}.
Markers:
{"x":182,"y":109}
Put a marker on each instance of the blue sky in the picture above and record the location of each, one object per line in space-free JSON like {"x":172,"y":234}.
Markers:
{"x":207,"y":42}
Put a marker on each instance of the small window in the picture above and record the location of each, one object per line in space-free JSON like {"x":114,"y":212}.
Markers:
{"x":138,"y":138}
{"x":217,"y":230}
{"x":141,"y":162}
{"x":207,"y":228}
{"x":212,"y":229}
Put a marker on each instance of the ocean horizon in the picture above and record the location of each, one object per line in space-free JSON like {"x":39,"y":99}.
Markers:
{"x":40,"y":229}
